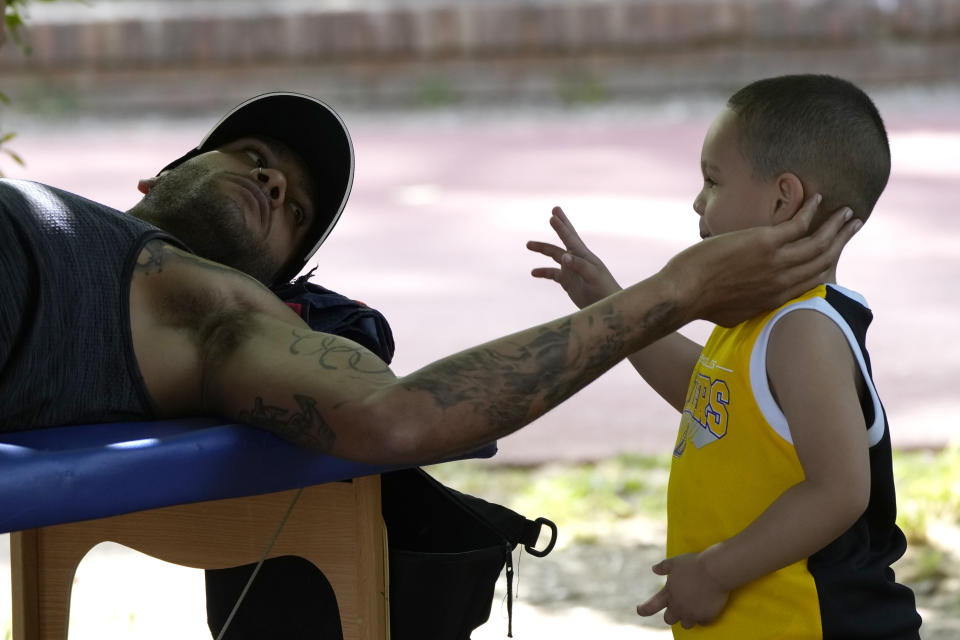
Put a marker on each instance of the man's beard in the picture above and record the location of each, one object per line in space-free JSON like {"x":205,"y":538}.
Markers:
{"x":187,"y":202}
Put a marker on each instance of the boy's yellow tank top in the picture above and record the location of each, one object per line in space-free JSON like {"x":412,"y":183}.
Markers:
{"x":734,"y":456}
{"x":729,"y":465}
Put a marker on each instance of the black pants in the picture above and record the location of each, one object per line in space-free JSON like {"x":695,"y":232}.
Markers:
{"x":290,"y":599}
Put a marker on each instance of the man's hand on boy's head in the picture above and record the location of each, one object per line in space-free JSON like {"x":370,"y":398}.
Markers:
{"x":692,"y":596}
{"x":734,"y":276}
{"x":581,"y":274}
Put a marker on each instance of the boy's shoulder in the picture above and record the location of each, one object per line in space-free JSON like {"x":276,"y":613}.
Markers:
{"x":827,"y":316}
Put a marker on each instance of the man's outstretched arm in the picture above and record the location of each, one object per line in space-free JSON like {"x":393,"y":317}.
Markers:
{"x":331,"y":394}
{"x":258,"y":364}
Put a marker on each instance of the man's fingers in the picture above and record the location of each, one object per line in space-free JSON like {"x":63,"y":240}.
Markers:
{"x":807,"y":248}
{"x":654,"y":604}
{"x":809,"y":260}
{"x":833,"y":234}
{"x":797,"y":226}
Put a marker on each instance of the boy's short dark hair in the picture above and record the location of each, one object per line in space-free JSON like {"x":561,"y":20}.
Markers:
{"x":822,"y":129}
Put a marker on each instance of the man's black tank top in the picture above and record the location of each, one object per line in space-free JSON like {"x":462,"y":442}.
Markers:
{"x":66,"y":353}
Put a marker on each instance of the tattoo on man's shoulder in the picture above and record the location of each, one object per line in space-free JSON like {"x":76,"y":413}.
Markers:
{"x":160,"y":253}
{"x":331,"y":352}
{"x":151,"y":258}
{"x":304,"y":426}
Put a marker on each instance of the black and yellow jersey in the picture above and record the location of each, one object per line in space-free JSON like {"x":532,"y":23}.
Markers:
{"x":734,"y":456}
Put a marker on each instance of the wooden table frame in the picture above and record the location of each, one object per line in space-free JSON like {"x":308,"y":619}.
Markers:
{"x":337,"y":526}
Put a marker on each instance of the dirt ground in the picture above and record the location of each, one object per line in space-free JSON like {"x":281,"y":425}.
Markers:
{"x":611,"y":575}
{"x":586,"y":587}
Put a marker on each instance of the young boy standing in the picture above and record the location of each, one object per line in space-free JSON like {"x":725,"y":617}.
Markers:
{"x":781,"y":505}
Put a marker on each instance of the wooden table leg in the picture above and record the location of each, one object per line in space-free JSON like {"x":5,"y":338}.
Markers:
{"x":337,"y":526}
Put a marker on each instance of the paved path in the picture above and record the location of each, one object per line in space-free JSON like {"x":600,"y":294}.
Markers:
{"x":443,"y":203}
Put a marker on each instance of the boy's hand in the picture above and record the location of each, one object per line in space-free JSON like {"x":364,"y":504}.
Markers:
{"x":691,"y":596}
{"x":581,"y":274}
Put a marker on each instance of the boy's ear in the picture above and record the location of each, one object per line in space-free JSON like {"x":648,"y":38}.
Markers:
{"x":146,"y":184}
{"x":789,"y":197}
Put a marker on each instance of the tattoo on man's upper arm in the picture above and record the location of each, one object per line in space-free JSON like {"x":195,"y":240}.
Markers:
{"x":303,"y":426}
{"x":330,"y":352}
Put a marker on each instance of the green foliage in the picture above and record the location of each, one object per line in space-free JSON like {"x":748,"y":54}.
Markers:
{"x":15,"y":15}
{"x":569,"y":494}
{"x":627,"y":486}
{"x":14,"y":21}
{"x":929,"y":565}
{"x":12,"y":25}
{"x":928,"y":486}
{"x":436,"y":92}
{"x":580,"y":87}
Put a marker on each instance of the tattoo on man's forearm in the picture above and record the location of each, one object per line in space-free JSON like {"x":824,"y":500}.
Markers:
{"x":598,"y":358}
{"x":330,"y":352}
{"x":505,"y":382}
{"x":501,"y":385}
{"x":305,"y":427}
{"x":659,"y":315}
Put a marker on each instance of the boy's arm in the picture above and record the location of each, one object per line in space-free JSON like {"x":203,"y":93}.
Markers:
{"x":666,"y":365}
{"x":814,"y":378}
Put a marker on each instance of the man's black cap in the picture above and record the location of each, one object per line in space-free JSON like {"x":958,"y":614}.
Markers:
{"x":312,"y":129}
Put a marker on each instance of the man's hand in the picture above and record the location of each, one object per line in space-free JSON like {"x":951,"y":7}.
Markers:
{"x":581,"y":274}
{"x":691,"y":596}
{"x":733,"y":276}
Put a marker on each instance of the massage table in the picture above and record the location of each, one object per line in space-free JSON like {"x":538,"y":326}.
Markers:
{"x":197,"y":493}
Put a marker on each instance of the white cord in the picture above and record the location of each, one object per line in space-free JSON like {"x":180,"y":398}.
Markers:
{"x":256,"y":569}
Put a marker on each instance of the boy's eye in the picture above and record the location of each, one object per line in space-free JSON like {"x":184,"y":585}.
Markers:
{"x":707,"y":181}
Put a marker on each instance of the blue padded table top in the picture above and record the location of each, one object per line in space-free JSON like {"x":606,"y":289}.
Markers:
{"x":66,"y":474}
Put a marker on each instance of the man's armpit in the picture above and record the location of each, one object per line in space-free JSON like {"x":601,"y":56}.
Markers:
{"x":188,"y":316}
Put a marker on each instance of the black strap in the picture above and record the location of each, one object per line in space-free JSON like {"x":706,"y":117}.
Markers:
{"x":509,"y":572}
{"x":532,"y":533}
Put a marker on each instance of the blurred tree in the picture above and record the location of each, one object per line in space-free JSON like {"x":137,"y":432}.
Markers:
{"x":13,"y":12}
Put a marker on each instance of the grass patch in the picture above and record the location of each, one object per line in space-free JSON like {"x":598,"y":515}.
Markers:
{"x":928,"y":490}
{"x":929,"y":565}
{"x":582,"y":497}
{"x":579,"y":498}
